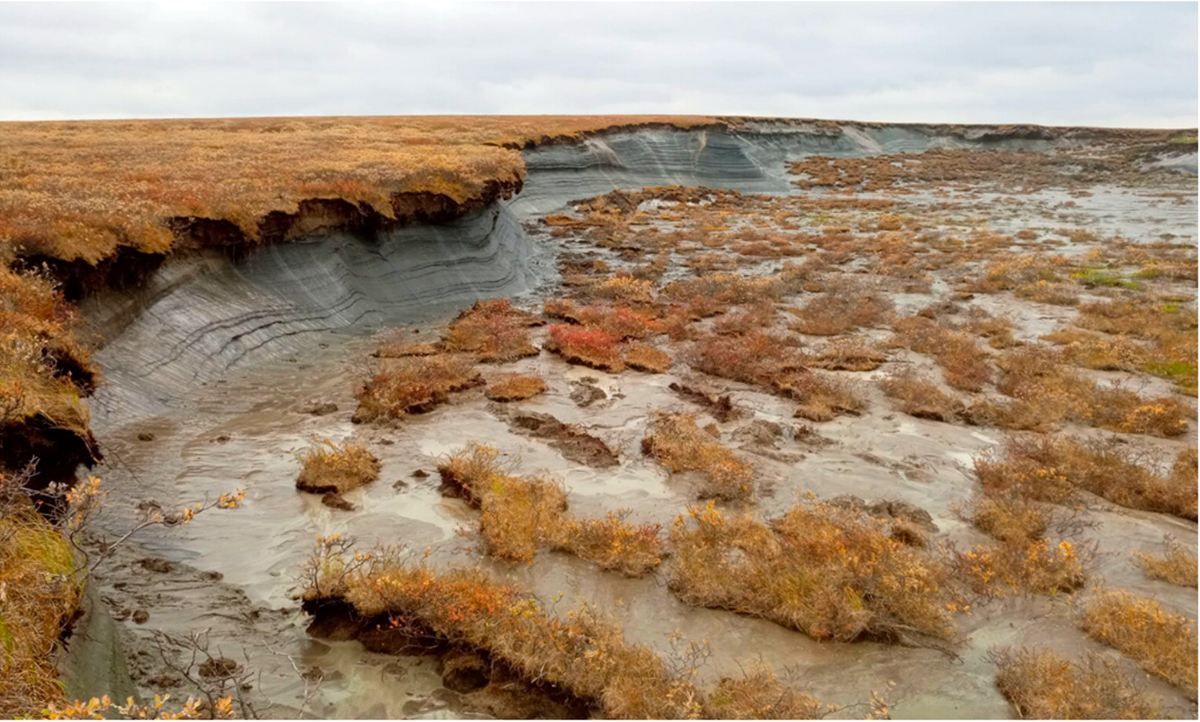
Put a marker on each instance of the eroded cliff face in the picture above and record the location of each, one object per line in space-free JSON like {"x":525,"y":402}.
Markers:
{"x":58,"y":442}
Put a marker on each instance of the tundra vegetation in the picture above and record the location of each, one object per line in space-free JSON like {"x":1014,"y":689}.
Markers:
{"x":891,"y":291}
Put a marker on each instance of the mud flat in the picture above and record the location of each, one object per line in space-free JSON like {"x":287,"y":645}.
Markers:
{"x":213,"y":385}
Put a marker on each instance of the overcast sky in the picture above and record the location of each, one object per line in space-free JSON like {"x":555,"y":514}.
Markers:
{"x":1076,"y":63}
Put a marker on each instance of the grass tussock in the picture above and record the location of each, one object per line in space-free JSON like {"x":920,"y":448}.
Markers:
{"x":1041,"y":684}
{"x":646,"y":358}
{"x":515,"y":387}
{"x":492,"y":330}
{"x":414,"y":385}
{"x":520,"y":515}
{"x":1163,"y":642}
{"x":1022,"y":559}
{"x":1045,"y":392}
{"x":1052,"y":469}
{"x":582,"y":652}
{"x":332,"y":467}
{"x":920,"y":398}
{"x":612,"y":543}
{"x":40,"y":593}
{"x":44,"y":369}
{"x":830,"y":572}
{"x":821,"y":396}
{"x":677,"y":443}
{"x":840,"y":311}
{"x":1176,"y":564}
{"x":964,"y":365}
{"x":586,"y":346}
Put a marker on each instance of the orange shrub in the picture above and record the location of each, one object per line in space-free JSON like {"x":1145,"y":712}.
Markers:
{"x":414,"y":385}
{"x":1164,"y":643}
{"x":679,"y":445}
{"x":493,"y":330}
{"x":337,"y":468}
{"x":830,"y":572}
{"x":586,"y":346}
{"x":515,"y":387}
{"x":1040,"y":684}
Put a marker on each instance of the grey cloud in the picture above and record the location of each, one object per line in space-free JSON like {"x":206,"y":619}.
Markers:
{"x":1073,"y":63}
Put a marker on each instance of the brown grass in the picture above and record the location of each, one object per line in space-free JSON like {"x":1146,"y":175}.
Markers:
{"x":821,"y":396}
{"x":1022,"y":558}
{"x":40,"y":593}
{"x":679,"y":445}
{"x":847,"y":354}
{"x":492,"y":330}
{"x":612,"y":543}
{"x":840,"y":311}
{"x":647,"y":358}
{"x":1041,"y":684}
{"x":518,"y":515}
{"x":43,"y":368}
{"x":1051,"y":469}
{"x":521,"y":515}
{"x":827,"y":571}
{"x":338,"y":468}
{"x":586,"y":346}
{"x":1162,"y":642}
{"x":515,"y":387}
{"x":1176,"y":564}
{"x":1046,"y":392}
{"x":582,"y":653}
{"x":81,"y":189}
{"x":921,"y":398}
{"x":414,"y":385}
{"x":964,"y":365}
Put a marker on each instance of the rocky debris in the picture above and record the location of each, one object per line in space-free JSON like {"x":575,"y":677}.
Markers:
{"x":145,"y":436}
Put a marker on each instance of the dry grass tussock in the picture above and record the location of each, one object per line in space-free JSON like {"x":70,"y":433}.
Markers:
{"x":37,"y":569}
{"x":964,"y":364}
{"x":1041,"y":684}
{"x":1044,"y":392}
{"x":414,"y":385}
{"x":79,"y":189}
{"x":1163,"y":642}
{"x":677,"y":443}
{"x":776,"y":365}
{"x":582,"y":652}
{"x":43,"y":368}
{"x":1023,"y":558}
{"x":520,"y":515}
{"x":332,"y":467}
{"x":1052,"y":469}
{"x":586,"y":346}
{"x":828,"y":571}
{"x":920,"y":397}
{"x":1176,"y":564}
{"x":515,"y":387}
{"x":839,"y":311}
{"x":492,"y":330}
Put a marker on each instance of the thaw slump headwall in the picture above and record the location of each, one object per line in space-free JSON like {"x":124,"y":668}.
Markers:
{"x":197,"y":318}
